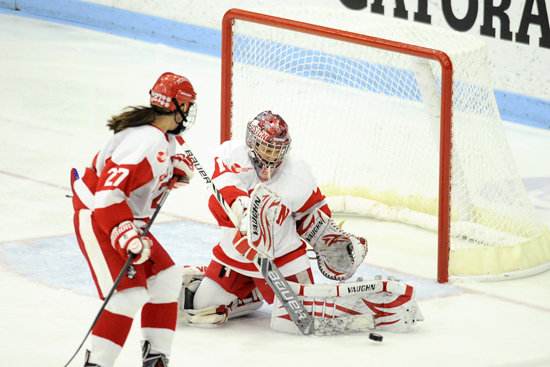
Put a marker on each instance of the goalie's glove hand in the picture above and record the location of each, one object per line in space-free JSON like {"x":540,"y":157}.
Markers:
{"x":240,"y":208}
{"x":184,"y":170}
{"x":125,"y":238}
{"x":357,"y":249}
{"x":339,"y":254}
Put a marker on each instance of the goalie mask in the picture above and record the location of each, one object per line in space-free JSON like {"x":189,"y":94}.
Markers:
{"x":176,"y":94}
{"x":268,"y":141}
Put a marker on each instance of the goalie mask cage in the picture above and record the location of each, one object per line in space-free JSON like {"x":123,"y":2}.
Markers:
{"x":398,"y":121}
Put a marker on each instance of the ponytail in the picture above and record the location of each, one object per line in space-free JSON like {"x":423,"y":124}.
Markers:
{"x":136,"y":116}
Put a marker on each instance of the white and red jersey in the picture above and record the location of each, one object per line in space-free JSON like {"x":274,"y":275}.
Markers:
{"x":234,"y":176}
{"x":127,"y":177}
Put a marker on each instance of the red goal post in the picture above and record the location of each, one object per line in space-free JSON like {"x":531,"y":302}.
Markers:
{"x":229,"y":105}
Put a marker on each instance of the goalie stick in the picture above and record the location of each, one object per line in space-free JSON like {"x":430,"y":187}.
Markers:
{"x":305,"y":322}
{"x":128,"y":264}
{"x":288,"y":298}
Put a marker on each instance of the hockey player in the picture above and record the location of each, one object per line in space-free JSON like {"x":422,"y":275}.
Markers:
{"x":232,"y":285}
{"x":114,"y":200}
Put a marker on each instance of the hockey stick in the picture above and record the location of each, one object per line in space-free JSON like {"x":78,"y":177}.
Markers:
{"x":288,"y":298}
{"x":290,"y":301}
{"x":128,"y":263}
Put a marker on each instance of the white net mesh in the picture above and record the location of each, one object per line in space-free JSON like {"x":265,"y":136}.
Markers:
{"x":367,"y":120}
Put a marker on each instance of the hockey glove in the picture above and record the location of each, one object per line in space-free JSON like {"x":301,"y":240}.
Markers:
{"x":183,"y":170}
{"x":240,"y":208}
{"x":242,"y":246}
{"x":338,"y":253}
{"x":125,"y":238}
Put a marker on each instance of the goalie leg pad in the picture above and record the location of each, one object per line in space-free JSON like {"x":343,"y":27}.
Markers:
{"x":395,"y":309}
{"x":386,"y":305}
{"x":190,"y":273}
{"x":192,"y":277}
{"x":241,"y":307}
{"x":213,"y":315}
{"x":209,"y":317}
{"x":218,"y":315}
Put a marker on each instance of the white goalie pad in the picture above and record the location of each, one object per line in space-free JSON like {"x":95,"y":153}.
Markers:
{"x":190,"y":273}
{"x":218,"y":315}
{"x":339,"y":254}
{"x":215,"y":315}
{"x":192,"y":276}
{"x":390,"y":303}
{"x":265,"y":205}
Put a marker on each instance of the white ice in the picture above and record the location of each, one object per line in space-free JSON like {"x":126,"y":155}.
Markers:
{"x":59,"y":85}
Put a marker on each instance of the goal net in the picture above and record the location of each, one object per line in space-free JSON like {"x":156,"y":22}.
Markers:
{"x":398,"y":121}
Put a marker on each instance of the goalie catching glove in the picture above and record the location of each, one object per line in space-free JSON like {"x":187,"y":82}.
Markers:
{"x":125,"y":238}
{"x":339,"y":254}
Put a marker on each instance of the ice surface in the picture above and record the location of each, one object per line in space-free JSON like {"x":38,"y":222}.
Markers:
{"x":60,"y":84}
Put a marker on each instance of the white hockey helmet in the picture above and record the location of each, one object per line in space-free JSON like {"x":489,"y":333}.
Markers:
{"x":268,"y":141}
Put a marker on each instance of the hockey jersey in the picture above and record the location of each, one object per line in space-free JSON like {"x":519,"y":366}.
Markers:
{"x":127,"y":177}
{"x":234,"y":176}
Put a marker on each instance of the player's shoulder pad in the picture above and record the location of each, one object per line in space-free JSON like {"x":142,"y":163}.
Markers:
{"x":133,"y":144}
{"x":231,"y":150}
{"x":298,"y":168}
